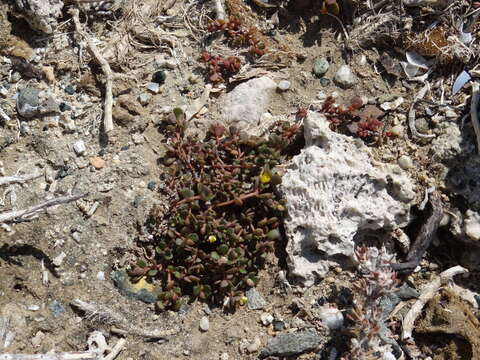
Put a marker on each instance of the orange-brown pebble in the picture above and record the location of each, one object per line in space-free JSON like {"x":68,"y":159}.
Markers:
{"x":97,"y":162}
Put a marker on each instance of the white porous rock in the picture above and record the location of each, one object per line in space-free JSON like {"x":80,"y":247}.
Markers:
{"x":41,"y":15}
{"x":471,"y":225}
{"x":334,"y":192}
{"x":243,"y":106}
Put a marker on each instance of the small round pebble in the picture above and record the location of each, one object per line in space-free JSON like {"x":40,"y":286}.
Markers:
{"x":69,"y":89}
{"x":254,"y":345}
{"x":405,"y":162}
{"x":284,"y":85}
{"x":397,"y":130}
{"x":151,"y":185}
{"x":97,"y":162}
{"x":345,"y":77}
{"x":278,"y":325}
{"x":204,"y":324}
{"x":320,"y":66}
{"x":325,"y":81}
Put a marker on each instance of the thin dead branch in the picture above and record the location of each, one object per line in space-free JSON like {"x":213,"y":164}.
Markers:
{"x":106,"y":315}
{"x":79,"y":355}
{"x":93,"y":50}
{"x":19,"y":215}
{"x":427,"y":294}
{"x":424,"y":238}
{"x":474,"y":112}
{"x":18,"y":178}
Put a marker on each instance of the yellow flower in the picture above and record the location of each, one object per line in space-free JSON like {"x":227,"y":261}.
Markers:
{"x":243,"y":300}
{"x":265,"y":177}
{"x":212,"y":238}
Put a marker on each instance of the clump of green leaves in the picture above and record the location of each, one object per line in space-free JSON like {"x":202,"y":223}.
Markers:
{"x":225,"y":217}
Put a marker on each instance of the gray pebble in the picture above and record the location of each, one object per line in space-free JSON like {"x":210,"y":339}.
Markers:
{"x":320,"y":66}
{"x":292,"y":343}
{"x":144,"y":98}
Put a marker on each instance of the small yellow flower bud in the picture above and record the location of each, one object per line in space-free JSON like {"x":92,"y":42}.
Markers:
{"x":212,"y":238}
{"x":243,"y":300}
{"x":265,"y":177}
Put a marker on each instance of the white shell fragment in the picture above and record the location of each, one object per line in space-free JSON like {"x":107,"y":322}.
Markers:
{"x":460,"y":82}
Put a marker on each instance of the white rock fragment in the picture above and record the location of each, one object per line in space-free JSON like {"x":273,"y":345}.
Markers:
{"x":204,"y":323}
{"x":153,"y":87}
{"x":284,"y":85}
{"x":33,"y":307}
{"x":392,"y":105}
{"x":331,"y":317}
{"x":405,"y":162}
{"x":345,"y":77}
{"x":79,"y":147}
{"x":101,"y":276}
{"x":58,"y":260}
{"x":266,"y":319}
{"x":254,"y":345}
{"x":333,"y":193}
{"x":244,"y":105}
{"x":41,"y":15}
{"x":472,"y":225}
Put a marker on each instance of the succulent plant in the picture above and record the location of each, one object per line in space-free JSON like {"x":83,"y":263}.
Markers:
{"x":225,"y":216}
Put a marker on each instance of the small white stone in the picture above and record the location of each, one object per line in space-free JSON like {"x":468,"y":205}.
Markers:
{"x":392,"y":105}
{"x":101,"y":276}
{"x":144,"y":98}
{"x":332,"y":317}
{"x":33,"y":307}
{"x":397,"y":130}
{"x":362,"y":60}
{"x":266,"y":319}
{"x":138,"y":138}
{"x":450,"y":114}
{"x":153,"y":87}
{"x":254,"y":345}
{"x":472,"y":225}
{"x":321,"y":95}
{"x":79,"y":147}
{"x":284,"y":85}
{"x":345,"y":77}
{"x":405,"y":162}
{"x":58,"y":260}
{"x":204,"y":324}
{"x":224,"y":356}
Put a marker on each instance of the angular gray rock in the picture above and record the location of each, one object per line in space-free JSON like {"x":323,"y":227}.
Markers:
{"x":335,"y":193}
{"x":244,"y":105}
{"x":255,"y":301}
{"x":41,"y":15}
{"x":292,"y":344}
{"x":32,"y":102}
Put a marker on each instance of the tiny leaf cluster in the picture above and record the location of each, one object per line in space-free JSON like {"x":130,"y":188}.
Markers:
{"x":224,"y":218}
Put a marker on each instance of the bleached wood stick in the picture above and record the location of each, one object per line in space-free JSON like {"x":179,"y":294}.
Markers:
{"x":93,"y":50}
{"x":18,"y":178}
{"x":79,"y":355}
{"x":116,"y":350}
{"x":108,"y":316}
{"x":24,"y":213}
{"x":474,"y":112}
{"x":427,"y":294}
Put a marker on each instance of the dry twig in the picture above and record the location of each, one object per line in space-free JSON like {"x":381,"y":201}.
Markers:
{"x":104,"y":314}
{"x":424,"y":238}
{"x":24,"y":214}
{"x":76,"y":355}
{"x":107,"y":111}
{"x":18,"y":178}
{"x":474,"y":112}
{"x":427,"y":294}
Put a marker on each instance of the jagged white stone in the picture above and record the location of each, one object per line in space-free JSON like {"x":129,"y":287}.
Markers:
{"x":41,"y":15}
{"x":334,"y":190}
{"x":245,"y":105}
